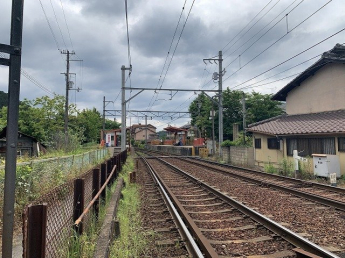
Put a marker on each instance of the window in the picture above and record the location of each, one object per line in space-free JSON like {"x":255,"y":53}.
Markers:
{"x":257,"y":143}
{"x":341,"y":143}
{"x":273,"y":143}
{"x":309,"y":146}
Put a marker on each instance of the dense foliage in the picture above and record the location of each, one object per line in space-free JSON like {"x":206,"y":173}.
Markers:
{"x":43,"y":118}
{"x":258,"y":107}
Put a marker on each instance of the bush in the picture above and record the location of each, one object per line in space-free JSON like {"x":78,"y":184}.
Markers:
{"x":286,"y":167}
{"x":227,"y":143}
{"x":269,"y":168}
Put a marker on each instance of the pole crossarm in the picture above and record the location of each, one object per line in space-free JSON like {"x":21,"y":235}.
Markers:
{"x":139,"y":113}
{"x":193,"y":90}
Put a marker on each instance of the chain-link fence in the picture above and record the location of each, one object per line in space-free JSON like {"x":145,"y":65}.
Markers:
{"x":60,"y":206}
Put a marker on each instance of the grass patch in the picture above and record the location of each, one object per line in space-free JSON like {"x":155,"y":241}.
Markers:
{"x":132,"y":241}
{"x":84,"y":245}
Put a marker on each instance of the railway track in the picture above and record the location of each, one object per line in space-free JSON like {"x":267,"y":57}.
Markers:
{"x":229,"y":227}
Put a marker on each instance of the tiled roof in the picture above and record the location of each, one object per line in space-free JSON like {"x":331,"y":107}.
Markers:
{"x":314,"y":123}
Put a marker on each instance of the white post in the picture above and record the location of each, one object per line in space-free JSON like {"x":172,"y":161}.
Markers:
{"x":296,"y":158}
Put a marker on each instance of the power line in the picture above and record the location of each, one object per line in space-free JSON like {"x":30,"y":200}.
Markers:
{"x":253,"y":24}
{"x":57,"y":22}
{"x":296,"y":74}
{"x":278,"y":40}
{"x":262,"y":30}
{"x":32,"y":79}
{"x":246,"y":25}
{"x":69,"y":35}
{"x":129,"y":49}
{"x":295,"y":55}
{"x":276,"y":73}
{"x":50,"y":27}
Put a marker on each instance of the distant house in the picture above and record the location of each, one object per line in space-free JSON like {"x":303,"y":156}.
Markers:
{"x":27,"y":145}
{"x":139,"y":131}
{"x":315,"y":119}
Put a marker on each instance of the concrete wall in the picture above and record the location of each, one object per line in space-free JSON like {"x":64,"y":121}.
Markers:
{"x":239,"y":156}
{"x":176,"y":150}
{"x":322,"y":92}
{"x":265,"y":155}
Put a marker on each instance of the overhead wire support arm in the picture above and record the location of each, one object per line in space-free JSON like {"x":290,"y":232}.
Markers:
{"x":192,"y":90}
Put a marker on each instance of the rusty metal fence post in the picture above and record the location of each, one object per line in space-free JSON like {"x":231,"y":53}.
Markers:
{"x":78,"y":203}
{"x":103,"y":179}
{"x":95,"y":190}
{"x":108,"y":167}
{"x":36,"y":231}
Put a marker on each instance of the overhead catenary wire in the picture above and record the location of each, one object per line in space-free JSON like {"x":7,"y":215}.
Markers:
{"x":275,"y":42}
{"x":178,"y":41}
{"x":166,"y":58}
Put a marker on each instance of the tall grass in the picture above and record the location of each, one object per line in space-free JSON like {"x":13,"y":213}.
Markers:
{"x":132,"y":241}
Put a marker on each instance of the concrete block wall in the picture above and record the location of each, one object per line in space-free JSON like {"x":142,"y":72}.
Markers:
{"x":239,"y":156}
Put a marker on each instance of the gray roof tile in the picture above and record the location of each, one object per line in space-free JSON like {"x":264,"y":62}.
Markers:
{"x":314,"y":123}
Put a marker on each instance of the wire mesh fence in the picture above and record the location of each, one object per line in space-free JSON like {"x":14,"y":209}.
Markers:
{"x":60,"y":203}
{"x":40,"y":176}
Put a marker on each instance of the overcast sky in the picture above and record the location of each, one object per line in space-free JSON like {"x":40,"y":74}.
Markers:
{"x":252,"y":35}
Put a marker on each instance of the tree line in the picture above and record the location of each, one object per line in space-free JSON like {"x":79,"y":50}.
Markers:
{"x":43,"y":119}
{"x":258,"y":107}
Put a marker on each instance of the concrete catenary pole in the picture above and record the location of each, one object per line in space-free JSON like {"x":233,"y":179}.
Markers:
{"x":66,"y":102}
{"x":244,"y":117}
{"x":123,"y":110}
{"x":145,"y":131}
{"x":220,"y":84}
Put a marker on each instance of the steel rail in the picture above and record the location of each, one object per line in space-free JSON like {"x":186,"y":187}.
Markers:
{"x":178,"y":213}
{"x":275,"y":227}
{"x":316,"y":198}
{"x":294,"y":180}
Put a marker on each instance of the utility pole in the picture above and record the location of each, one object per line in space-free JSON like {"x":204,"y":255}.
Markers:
{"x":14,"y":64}
{"x":123,"y":109}
{"x":103,"y":131}
{"x":220,"y":96}
{"x":68,"y":53}
{"x":220,"y":84}
{"x":244,"y":117}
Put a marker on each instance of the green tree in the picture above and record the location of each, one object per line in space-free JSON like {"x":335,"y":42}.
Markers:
{"x":90,"y":121}
{"x":261,"y":107}
{"x":200,"y":112}
{"x":110,"y":124}
{"x":258,"y":107}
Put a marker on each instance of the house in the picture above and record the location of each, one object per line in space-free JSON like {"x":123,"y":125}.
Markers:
{"x":314,"y":122}
{"x":139,"y":131}
{"x":27,"y":145}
